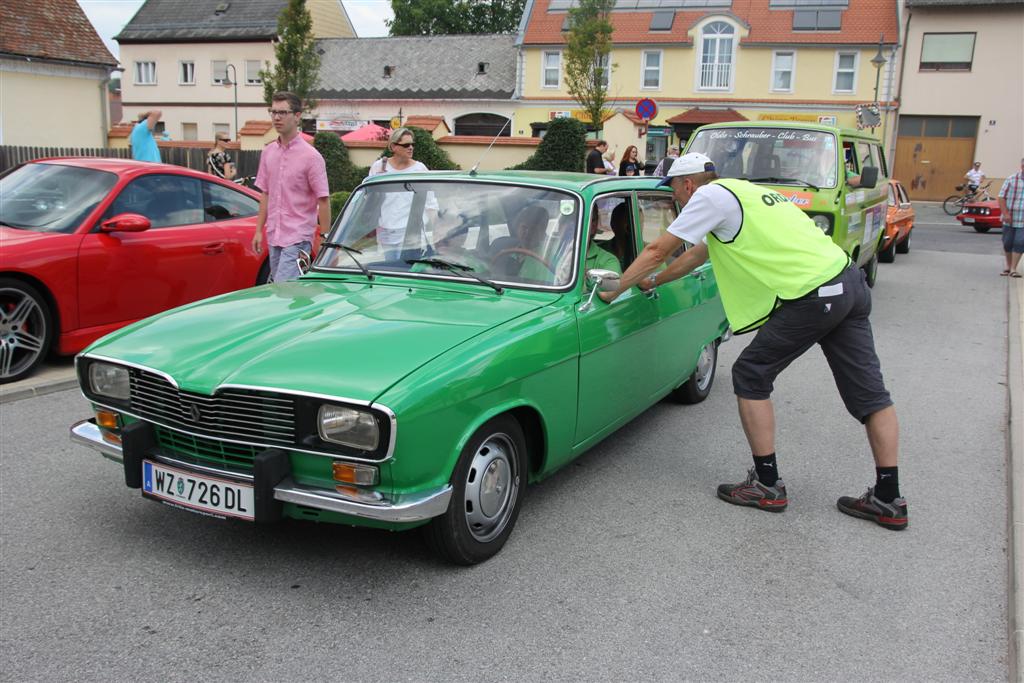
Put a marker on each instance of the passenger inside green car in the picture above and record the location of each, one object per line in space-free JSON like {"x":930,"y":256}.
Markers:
{"x":598,"y":256}
{"x":523,"y":258}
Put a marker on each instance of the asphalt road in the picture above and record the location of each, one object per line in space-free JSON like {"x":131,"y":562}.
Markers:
{"x":624,"y":566}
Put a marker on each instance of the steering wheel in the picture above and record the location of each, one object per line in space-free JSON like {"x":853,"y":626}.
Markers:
{"x":524,"y":252}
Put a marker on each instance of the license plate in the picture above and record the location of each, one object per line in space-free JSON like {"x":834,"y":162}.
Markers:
{"x":197,"y":493}
{"x":968,"y":219}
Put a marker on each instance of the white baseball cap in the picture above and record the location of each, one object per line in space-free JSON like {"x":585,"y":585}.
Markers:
{"x":688,"y":164}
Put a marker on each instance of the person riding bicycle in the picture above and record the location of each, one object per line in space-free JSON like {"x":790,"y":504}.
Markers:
{"x":975,"y":177}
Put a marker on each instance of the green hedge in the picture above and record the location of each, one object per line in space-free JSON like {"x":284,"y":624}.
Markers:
{"x":342,"y":174}
{"x":563,"y":148}
{"x":338,"y":200}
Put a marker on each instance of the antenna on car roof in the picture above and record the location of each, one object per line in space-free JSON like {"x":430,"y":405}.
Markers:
{"x":472,"y":171}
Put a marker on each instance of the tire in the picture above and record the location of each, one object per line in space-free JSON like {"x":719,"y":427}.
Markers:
{"x":26,"y":329}
{"x":979,"y":228}
{"x":263,"y":276}
{"x":871,"y":270}
{"x":698,"y":385}
{"x":888,"y":255}
{"x":904,"y":246}
{"x":953,"y":204}
{"x":487,"y":492}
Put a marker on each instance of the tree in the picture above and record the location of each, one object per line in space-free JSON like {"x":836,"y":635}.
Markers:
{"x":563,"y":148}
{"x":298,"y":63}
{"x":342,"y":174}
{"x":440,"y":17}
{"x":588,"y":44}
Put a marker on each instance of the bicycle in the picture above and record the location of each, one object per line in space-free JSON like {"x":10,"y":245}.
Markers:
{"x":246,"y":181}
{"x":954,"y":203}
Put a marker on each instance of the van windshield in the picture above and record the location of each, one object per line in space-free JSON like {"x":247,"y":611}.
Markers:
{"x":786,"y":155}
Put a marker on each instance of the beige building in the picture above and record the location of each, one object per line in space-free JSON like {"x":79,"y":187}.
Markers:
{"x":202,"y":69}
{"x":54,"y":72}
{"x":962,"y":93}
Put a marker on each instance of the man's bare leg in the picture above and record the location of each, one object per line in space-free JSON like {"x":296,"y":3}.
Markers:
{"x":758,"y":419}
{"x":884,"y":436}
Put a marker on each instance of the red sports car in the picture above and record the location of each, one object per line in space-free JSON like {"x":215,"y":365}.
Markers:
{"x":90,"y":245}
{"x":982,"y":216}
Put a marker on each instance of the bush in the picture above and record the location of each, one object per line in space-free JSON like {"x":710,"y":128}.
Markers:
{"x":342,"y":175}
{"x":427,"y":151}
{"x":563,"y":148}
{"x":338,"y":200}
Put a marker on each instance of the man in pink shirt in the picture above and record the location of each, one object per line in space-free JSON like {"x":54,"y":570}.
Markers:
{"x":295,"y":199}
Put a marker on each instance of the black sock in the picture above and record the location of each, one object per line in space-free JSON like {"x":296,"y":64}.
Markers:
{"x":767,"y":472}
{"x":887,"y":483}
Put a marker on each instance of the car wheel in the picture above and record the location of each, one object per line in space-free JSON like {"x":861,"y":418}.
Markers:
{"x":888,"y":255}
{"x":263,"y":277}
{"x":487,"y":493}
{"x":26,"y":328}
{"x":904,"y":246}
{"x":698,"y":385}
{"x":871,"y":270}
{"x":980,"y":228}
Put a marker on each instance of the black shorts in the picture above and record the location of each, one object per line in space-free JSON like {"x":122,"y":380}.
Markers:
{"x":839,"y":323}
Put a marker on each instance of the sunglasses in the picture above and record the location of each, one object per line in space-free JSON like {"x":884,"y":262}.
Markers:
{"x":223,"y":140}
{"x":405,"y":145}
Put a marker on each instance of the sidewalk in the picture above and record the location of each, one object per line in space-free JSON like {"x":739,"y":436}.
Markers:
{"x":1015,"y":434}
{"x":54,"y":375}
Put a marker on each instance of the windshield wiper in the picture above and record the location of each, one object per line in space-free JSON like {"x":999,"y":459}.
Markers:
{"x":351,"y":252}
{"x":457,"y":267}
{"x":774,"y":179}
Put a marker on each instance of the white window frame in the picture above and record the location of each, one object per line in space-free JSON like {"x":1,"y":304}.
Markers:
{"x":835,"y":72}
{"x":792,"y":71}
{"x":699,"y":65}
{"x":195,"y":126}
{"x":644,"y":68}
{"x":181,"y":73}
{"x":544,"y":69}
{"x":136,"y":72}
{"x":253,"y":79}
{"x":608,"y":71}
{"x":213,"y":71}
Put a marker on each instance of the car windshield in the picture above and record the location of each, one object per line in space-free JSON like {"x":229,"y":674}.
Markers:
{"x":787,"y":155}
{"x":502,"y":233}
{"x":51,"y":197}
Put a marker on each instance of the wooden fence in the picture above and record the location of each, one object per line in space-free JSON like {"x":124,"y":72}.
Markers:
{"x":246,"y":161}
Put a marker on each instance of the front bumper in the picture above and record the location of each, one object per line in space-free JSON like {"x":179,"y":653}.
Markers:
{"x":416,"y":508}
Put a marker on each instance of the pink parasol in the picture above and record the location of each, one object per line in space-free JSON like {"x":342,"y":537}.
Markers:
{"x":370,"y":131}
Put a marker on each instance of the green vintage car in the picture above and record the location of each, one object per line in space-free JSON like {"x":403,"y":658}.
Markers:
{"x":444,"y":349}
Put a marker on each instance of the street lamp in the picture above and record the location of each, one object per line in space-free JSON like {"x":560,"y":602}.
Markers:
{"x":878,"y":61}
{"x":232,"y":80}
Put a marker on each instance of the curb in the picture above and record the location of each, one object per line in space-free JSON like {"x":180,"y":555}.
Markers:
{"x":38,"y":390}
{"x":1015,"y":480}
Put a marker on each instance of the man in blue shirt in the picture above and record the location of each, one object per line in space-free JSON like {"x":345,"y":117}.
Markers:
{"x":143,"y":143}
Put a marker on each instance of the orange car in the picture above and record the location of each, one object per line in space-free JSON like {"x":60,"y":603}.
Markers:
{"x":899,"y":221}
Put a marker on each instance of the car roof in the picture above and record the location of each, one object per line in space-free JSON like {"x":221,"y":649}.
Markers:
{"x":576,"y":182}
{"x":115,"y":165}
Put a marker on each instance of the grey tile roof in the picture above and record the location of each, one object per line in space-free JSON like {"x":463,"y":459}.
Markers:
{"x":423,"y":67}
{"x":198,"y":21}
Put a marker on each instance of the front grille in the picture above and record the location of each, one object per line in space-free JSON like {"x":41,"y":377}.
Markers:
{"x":212,"y":451}
{"x":258,"y":417}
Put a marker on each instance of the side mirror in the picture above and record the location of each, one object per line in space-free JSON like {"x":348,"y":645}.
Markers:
{"x":869,"y":177}
{"x":602,"y":280}
{"x":304,"y":261}
{"x":126,"y":222}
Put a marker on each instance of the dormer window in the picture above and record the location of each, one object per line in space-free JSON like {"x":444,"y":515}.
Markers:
{"x":221,"y":8}
{"x":481,"y":68}
{"x":662,"y":21}
{"x":389,"y":71}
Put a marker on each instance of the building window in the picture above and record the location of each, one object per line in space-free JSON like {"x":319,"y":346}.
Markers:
{"x":846,"y":72}
{"x":947,"y":51}
{"x":221,"y":129}
{"x":186,"y":73}
{"x":145,"y":73}
{"x":783,"y":65}
{"x":189,"y":131}
{"x":716,"y":56}
{"x":652,"y":69}
{"x":252,"y":72}
{"x":552,"y":68}
{"x":605,"y":65}
{"x":219,"y":68}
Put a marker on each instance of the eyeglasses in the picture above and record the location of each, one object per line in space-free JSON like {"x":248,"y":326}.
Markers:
{"x":281,"y":112}
{"x":223,"y":140}
{"x":405,"y":145}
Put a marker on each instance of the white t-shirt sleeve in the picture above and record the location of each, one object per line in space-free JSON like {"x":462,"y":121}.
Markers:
{"x":712,"y":208}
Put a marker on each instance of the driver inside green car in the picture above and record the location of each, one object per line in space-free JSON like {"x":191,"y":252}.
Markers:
{"x":449,"y":244}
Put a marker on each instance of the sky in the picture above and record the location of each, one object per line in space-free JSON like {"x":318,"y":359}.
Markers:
{"x":110,"y":16}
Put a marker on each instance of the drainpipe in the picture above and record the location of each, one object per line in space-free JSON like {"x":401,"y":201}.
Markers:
{"x":104,"y":110}
{"x":899,"y":88}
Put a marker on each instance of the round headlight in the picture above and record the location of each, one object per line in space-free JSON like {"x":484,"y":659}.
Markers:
{"x":109,"y":380}
{"x":823,"y":223}
{"x":348,"y":427}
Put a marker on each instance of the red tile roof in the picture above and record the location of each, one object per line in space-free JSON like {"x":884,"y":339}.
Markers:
{"x":862,"y":23}
{"x":702,"y":116}
{"x":428,"y":123}
{"x":51,"y":29}
{"x":121,"y":130}
{"x":256,"y":128}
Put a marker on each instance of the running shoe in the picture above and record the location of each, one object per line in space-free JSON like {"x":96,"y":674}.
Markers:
{"x":752,"y":493}
{"x":890,"y":515}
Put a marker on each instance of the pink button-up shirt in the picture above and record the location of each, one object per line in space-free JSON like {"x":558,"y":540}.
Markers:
{"x":294,"y":177}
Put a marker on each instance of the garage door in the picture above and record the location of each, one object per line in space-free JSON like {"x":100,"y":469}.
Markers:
{"x":933,"y":153}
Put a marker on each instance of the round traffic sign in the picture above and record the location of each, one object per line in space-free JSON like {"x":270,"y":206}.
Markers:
{"x":646,"y":109}
{"x":396,"y":123}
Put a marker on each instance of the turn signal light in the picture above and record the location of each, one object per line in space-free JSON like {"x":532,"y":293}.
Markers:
{"x":108,"y":420}
{"x":351,"y":473}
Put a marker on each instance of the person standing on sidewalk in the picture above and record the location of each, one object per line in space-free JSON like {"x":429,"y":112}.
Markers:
{"x":218,"y":159}
{"x":1011,"y":208}
{"x":779,"y":274}
{"x":142,"y":142}
{"x":292,"y":178}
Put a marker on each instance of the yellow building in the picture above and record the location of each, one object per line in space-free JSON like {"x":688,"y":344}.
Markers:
{"x":704,"y":61}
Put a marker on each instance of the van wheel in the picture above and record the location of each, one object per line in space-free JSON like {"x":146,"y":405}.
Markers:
{"x":698,"y":385}
{"x":888,"y":255}
{"x":487,"y":493}
{"x":904,"y":246}
{"x":871,"y":270}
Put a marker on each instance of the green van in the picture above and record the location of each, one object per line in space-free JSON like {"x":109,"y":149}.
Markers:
{"x":836,"y":175}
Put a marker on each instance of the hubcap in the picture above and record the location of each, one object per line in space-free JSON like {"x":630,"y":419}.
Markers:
{"x":22,"y":331}
{"x":492,"y":486}
{"x":705,"y":367}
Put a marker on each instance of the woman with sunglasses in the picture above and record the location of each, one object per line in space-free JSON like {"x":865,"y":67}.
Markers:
{"x":394,"y":212}
{"x":218,"y":161}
